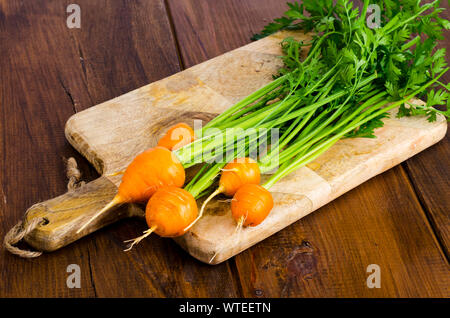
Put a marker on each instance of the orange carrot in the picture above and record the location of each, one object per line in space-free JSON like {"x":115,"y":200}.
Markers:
{"x":235,"y":174}
{"x":251,"y":205}
{"x":168,"y":213}
{"x":148,"y":172}
{"x":238,"y":172}
{"x":177,"y":136}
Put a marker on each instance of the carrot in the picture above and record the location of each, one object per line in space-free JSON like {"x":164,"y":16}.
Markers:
{"x":238,"y":172}
{"x":235,"y":174}
{"x":148,"y":172}
{"x":251,"y":204}
{"x":168,"y":212}
{"x":177,"y":136}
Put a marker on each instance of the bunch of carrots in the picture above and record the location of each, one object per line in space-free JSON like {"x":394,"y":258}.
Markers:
{"x":349,"y":79}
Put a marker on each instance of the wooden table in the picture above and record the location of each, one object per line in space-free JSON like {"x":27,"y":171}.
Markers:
{"x":398,"y":220}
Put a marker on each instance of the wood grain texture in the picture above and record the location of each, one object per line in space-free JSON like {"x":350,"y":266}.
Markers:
{"x":206,"y":29}
{"x":429,"y":171}
{"x":431,"y":179}
{"x":65,"y":214}
{"x":34,"y":106}
{"x":333,"y":250}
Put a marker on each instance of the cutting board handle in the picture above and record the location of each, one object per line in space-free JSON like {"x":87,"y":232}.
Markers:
{"x":61,"y":217}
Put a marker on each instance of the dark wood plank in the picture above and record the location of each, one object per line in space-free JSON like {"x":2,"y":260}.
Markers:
{"x":430,"y":176}
{"x":429,"y":170}
{"x":121,"y":46}
{"x":48,"y":72}
{"x":327,"y":253}
{"x":34,"y":107}
{"x":158,"y":267}
{"x":206,"y":29}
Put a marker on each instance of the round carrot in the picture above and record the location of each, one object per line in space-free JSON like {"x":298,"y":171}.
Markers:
{"x":235,"y":174}
{"x":148,"y":172}
{"x":177,"y":136}
{"x":238,"y":172}
{"x":168,"y":213}
{"x":251,"y":204}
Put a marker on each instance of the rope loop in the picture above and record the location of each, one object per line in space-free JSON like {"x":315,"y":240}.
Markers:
{"x":18,"y":231}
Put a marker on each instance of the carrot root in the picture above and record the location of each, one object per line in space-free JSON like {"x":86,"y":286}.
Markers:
{"x":140,"y":238}
{"x":240,"y":224}
{"x":115,"y":173}
{"x":229,"y":170}
{"x":225,"y":201}
{"x":115,"y":201}
{"x":237,"y":232}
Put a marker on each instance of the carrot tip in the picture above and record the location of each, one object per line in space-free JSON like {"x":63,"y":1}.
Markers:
{"x":225,"y":200}
{"x":115,"y":201}
{"x":115,"y":173}
{"x":237,"y":231}
{"x":139,"y":239}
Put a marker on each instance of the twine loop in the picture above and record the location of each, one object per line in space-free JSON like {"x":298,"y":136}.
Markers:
{"x":73,"y":174}
{"x":17,"y":233}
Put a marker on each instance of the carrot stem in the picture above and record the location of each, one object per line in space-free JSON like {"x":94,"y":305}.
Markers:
{"x":218,"y":191}
{"x":115,"y":201}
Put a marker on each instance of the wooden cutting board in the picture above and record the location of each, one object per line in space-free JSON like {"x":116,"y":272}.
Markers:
{"x":111,"y":134}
